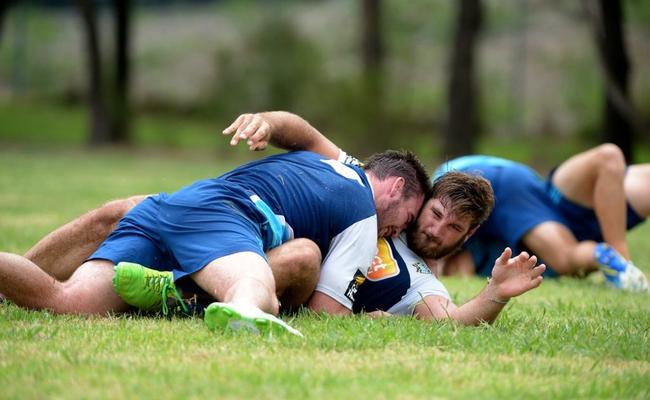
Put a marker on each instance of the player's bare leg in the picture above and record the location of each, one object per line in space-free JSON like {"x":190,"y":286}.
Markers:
{"x":240,"y":278}
{"x":595,"y":179}
{"x":60,"y":252}
{"x":637,"y":188}
{"x":555,"y":244}
{"x":244,"y":285}
{"x":459,"y":264}
{"x":88,"y":291}
{"x":296,"y":268}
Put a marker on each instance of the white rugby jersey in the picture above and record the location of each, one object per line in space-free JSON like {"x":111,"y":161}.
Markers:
{"x":396,"y":282}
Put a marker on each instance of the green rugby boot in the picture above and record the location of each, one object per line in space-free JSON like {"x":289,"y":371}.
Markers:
{"x":228,"y":316}
{"x":146,"y":288}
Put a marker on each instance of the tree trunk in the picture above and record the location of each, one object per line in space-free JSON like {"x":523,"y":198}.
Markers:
{"x":373,"y":56}
{"x":121,"y":108}
{"x":4,"y":8}
{"x":99,"y":122}
{"x":619,"y":112}
{"x":463,"y":118}
{"x":373,"y":52}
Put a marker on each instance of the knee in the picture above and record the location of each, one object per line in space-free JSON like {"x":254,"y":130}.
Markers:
{"x":101,"y":221}
{"x":611,"y":159}
{"x":306,"y":257}
{"x":110,"y":213}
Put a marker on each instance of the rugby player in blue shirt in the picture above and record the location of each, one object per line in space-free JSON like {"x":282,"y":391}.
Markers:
{"x":216,"y":231}
{"x":575,"y":219}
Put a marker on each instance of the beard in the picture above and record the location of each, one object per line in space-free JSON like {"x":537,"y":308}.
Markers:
{"x":431,"y":247}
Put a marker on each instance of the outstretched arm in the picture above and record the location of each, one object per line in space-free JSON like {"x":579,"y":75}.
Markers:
{"x":511,"y":277}
{"x":281,"y":129}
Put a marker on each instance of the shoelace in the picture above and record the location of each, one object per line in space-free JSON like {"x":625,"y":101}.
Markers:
{"x":165,"y":285}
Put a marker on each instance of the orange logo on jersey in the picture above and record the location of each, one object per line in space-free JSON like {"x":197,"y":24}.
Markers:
{"x":384,"y":264}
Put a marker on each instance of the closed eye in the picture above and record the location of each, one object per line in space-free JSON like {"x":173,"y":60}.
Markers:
{"x":411,"y":219}
{"x":457,"y":228}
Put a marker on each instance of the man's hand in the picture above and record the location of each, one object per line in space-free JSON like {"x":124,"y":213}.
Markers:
{"x":280,"y":129}
{"x":253,"y":128}
{"x":514,"y":276}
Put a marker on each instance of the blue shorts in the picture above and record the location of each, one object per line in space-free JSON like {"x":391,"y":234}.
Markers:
{"x":185,"y":231}
{"x":581,"y":220}
{"x":523,"y":201}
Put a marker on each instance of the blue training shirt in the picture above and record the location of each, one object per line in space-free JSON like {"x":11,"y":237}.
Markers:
{"x":311,"y":197}
{"x":318,"y":198}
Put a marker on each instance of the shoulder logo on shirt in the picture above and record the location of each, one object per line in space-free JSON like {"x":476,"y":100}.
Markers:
{"x":384,"y":264}
{"x":353,"y":287}
{"x":421,"y":268}
{"x":344,"y":171}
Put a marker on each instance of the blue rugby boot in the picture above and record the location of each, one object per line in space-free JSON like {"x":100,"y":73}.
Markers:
{"x":619,"y":272}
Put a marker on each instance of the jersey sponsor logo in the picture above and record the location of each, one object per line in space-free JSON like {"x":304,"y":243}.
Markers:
{"x":421,"y":268}
{"x":384,"y":265}
{"x":353,"y":287}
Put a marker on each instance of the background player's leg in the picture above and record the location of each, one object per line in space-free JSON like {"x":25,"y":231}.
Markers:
{"x":637,"y":188}
{"x":595,"y":179}
{"x":555,"y":244}
{"x":63,"y":250}
{"x":461,"y":264}
{"x":296,"y":268}
{"x":88,"y":291}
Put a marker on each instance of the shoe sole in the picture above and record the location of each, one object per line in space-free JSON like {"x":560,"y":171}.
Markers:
{"x":222,"y":317}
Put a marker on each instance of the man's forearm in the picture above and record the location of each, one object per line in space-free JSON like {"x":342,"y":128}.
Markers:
{"x":485,"y":307}
{"x":320,"y":302}
{"x":511,"y":277}
{"x":482,"y":308}
{"x":292,"y":132}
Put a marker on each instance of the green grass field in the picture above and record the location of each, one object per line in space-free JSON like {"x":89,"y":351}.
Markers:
{"x":567,"y":339}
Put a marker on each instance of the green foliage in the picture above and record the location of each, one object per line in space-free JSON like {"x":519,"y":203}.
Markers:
{"x":277,"y":68}
{"x":273,"y":69}
{"x":196,"y":67}
{"x":638,"y":13}
{"x":567,"y":339}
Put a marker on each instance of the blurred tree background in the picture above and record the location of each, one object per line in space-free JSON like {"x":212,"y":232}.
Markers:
{"x":528,"y":79}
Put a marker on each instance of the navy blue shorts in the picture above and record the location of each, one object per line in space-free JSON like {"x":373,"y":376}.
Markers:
{"x":523,"y":201}
{"x":581,"y":220}
{"x":185,"y":231}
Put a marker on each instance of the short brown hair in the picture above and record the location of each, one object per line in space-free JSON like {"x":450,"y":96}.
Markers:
{"x":465,"y":195}
{"x":404,"y":164}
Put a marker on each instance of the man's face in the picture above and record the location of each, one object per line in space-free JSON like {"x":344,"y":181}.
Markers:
{"x":395,"y":215}
{"x":438,"y":232}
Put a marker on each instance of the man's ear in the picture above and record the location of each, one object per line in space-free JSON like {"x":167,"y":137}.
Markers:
{"x":397,"y":187}
{"x":471,"y":232}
